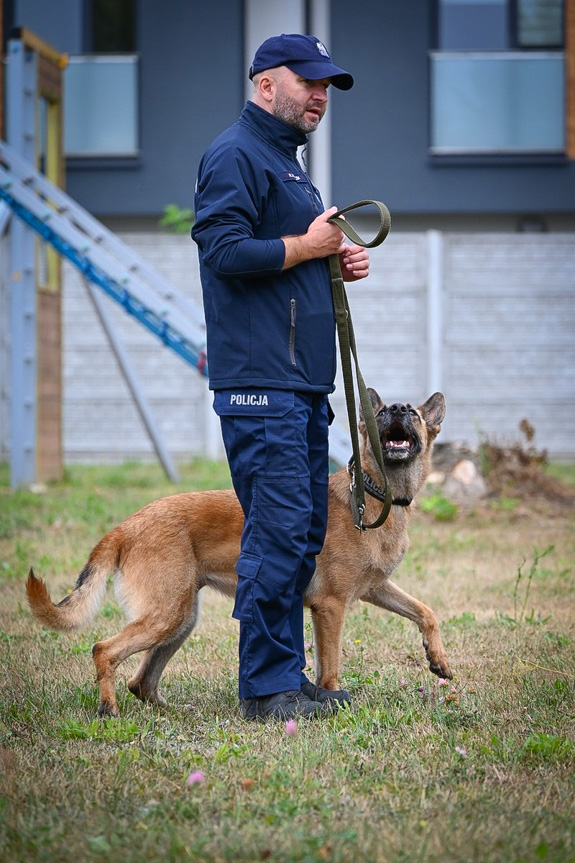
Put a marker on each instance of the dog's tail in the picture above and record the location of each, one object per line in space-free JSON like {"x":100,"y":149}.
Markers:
{"x":78,"y":608}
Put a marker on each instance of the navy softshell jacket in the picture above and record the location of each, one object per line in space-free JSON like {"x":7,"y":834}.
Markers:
{"x":265,"y":327}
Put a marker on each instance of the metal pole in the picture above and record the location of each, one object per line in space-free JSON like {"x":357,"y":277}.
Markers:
{"x":320,"y":142}
{"x":133,"y":383}
{"x":21,"y":90}
{"x":435,"y":311}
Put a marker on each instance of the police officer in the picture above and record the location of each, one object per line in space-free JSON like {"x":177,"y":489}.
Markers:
{"x":263,"y":240}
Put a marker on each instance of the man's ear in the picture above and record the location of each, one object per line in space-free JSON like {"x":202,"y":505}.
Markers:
{"x":264,"y":87}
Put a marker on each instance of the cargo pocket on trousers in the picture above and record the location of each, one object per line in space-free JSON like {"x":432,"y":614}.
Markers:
{"x":247,"y":569}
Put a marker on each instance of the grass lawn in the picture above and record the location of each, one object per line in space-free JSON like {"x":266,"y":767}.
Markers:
{"x":481,"y":768}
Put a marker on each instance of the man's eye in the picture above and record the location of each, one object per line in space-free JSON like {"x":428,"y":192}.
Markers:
{"x":311,"y":82}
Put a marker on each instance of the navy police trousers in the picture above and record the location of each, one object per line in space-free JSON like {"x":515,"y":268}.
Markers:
{"x":277,"y":448}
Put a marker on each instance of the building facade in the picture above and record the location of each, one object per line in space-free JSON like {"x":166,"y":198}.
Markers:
{"x":461,"y":120}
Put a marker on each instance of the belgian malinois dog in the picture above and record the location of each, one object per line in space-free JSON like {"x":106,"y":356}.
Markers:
{"x":165,"y":553}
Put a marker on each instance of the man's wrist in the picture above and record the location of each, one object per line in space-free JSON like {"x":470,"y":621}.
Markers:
{"x":296,"y":250}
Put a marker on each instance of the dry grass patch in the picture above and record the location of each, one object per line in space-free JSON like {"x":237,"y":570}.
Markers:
{"x":478,"y":769}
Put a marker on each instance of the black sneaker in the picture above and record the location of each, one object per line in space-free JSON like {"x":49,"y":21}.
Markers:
{"x":333,"y":697}
{"x":292,"y":704}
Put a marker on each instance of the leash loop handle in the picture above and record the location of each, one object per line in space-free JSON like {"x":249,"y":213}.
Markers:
{"x":351,"y":233}
{"x":348,"y":349}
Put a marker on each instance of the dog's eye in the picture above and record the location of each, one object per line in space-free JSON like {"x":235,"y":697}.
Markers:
{"x":413,"y":413}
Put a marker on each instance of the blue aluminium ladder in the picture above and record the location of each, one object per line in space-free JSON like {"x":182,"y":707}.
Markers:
{"x":106,"y":261}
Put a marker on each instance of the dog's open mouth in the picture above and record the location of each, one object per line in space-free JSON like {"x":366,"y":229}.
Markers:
{"x":398,"y":443}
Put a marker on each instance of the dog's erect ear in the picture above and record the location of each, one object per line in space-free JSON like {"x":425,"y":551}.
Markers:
{"x":376,"y":403}
{"x":433,"y":412}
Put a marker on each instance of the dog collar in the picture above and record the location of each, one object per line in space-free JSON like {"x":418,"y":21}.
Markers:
{"x":373,"y":489}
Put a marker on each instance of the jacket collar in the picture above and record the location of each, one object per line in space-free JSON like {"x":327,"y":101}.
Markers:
{"x":271,"y":128}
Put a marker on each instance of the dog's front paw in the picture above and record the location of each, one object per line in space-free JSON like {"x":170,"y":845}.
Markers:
{"x":442,"y":670}
{"x":438,"y":662}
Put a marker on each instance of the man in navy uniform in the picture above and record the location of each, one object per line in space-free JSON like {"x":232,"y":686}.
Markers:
{"x":264,"y":239}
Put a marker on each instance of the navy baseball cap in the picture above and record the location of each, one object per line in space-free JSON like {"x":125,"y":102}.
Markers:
{"x":304,"y":55}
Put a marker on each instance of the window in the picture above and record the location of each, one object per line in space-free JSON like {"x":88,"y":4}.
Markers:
{"x":101,"y":93}
{"x":112,"y":26}
{"x":539,"y":23}
{"x":101,"y":98}
{"x":488,"y":97}
{"x":480,"y":25}
{"x":497,"y":103}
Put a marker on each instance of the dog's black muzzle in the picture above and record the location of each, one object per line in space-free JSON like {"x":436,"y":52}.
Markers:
{"x":399,"y":431}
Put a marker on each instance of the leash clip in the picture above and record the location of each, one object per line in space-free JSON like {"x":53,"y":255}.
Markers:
{"x":351,"y":474}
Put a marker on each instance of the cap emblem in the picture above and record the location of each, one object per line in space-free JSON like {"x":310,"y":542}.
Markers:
{"x":322,"y":49}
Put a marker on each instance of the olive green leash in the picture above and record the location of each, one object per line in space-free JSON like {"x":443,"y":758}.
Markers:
{"x":347,"y":347}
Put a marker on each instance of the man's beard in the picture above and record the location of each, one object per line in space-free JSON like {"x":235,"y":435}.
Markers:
{"x":287,"y":110}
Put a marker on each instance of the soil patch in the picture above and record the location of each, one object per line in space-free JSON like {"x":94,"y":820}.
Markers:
{"x":516,"y":470}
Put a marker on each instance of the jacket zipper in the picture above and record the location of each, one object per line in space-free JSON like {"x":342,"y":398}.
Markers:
{"x":292,"y":331}
{"x":312,"y":199}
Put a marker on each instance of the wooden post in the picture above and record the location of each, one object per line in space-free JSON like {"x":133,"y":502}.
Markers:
{"x":570,"y":77}
{"x":49,"y":279}
{"x":44,"y":133}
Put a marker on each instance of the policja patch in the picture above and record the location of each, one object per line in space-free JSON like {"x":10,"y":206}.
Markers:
{"x":257,"y":402}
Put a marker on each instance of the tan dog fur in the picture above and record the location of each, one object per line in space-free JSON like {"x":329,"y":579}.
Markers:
{"x":166,"y":552}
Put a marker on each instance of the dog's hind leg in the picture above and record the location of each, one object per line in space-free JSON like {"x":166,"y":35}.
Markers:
{"x":391,"y":597}
{"x":144,"y":683}
{"x":140,"y":635}
{"x":327,"y":617}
